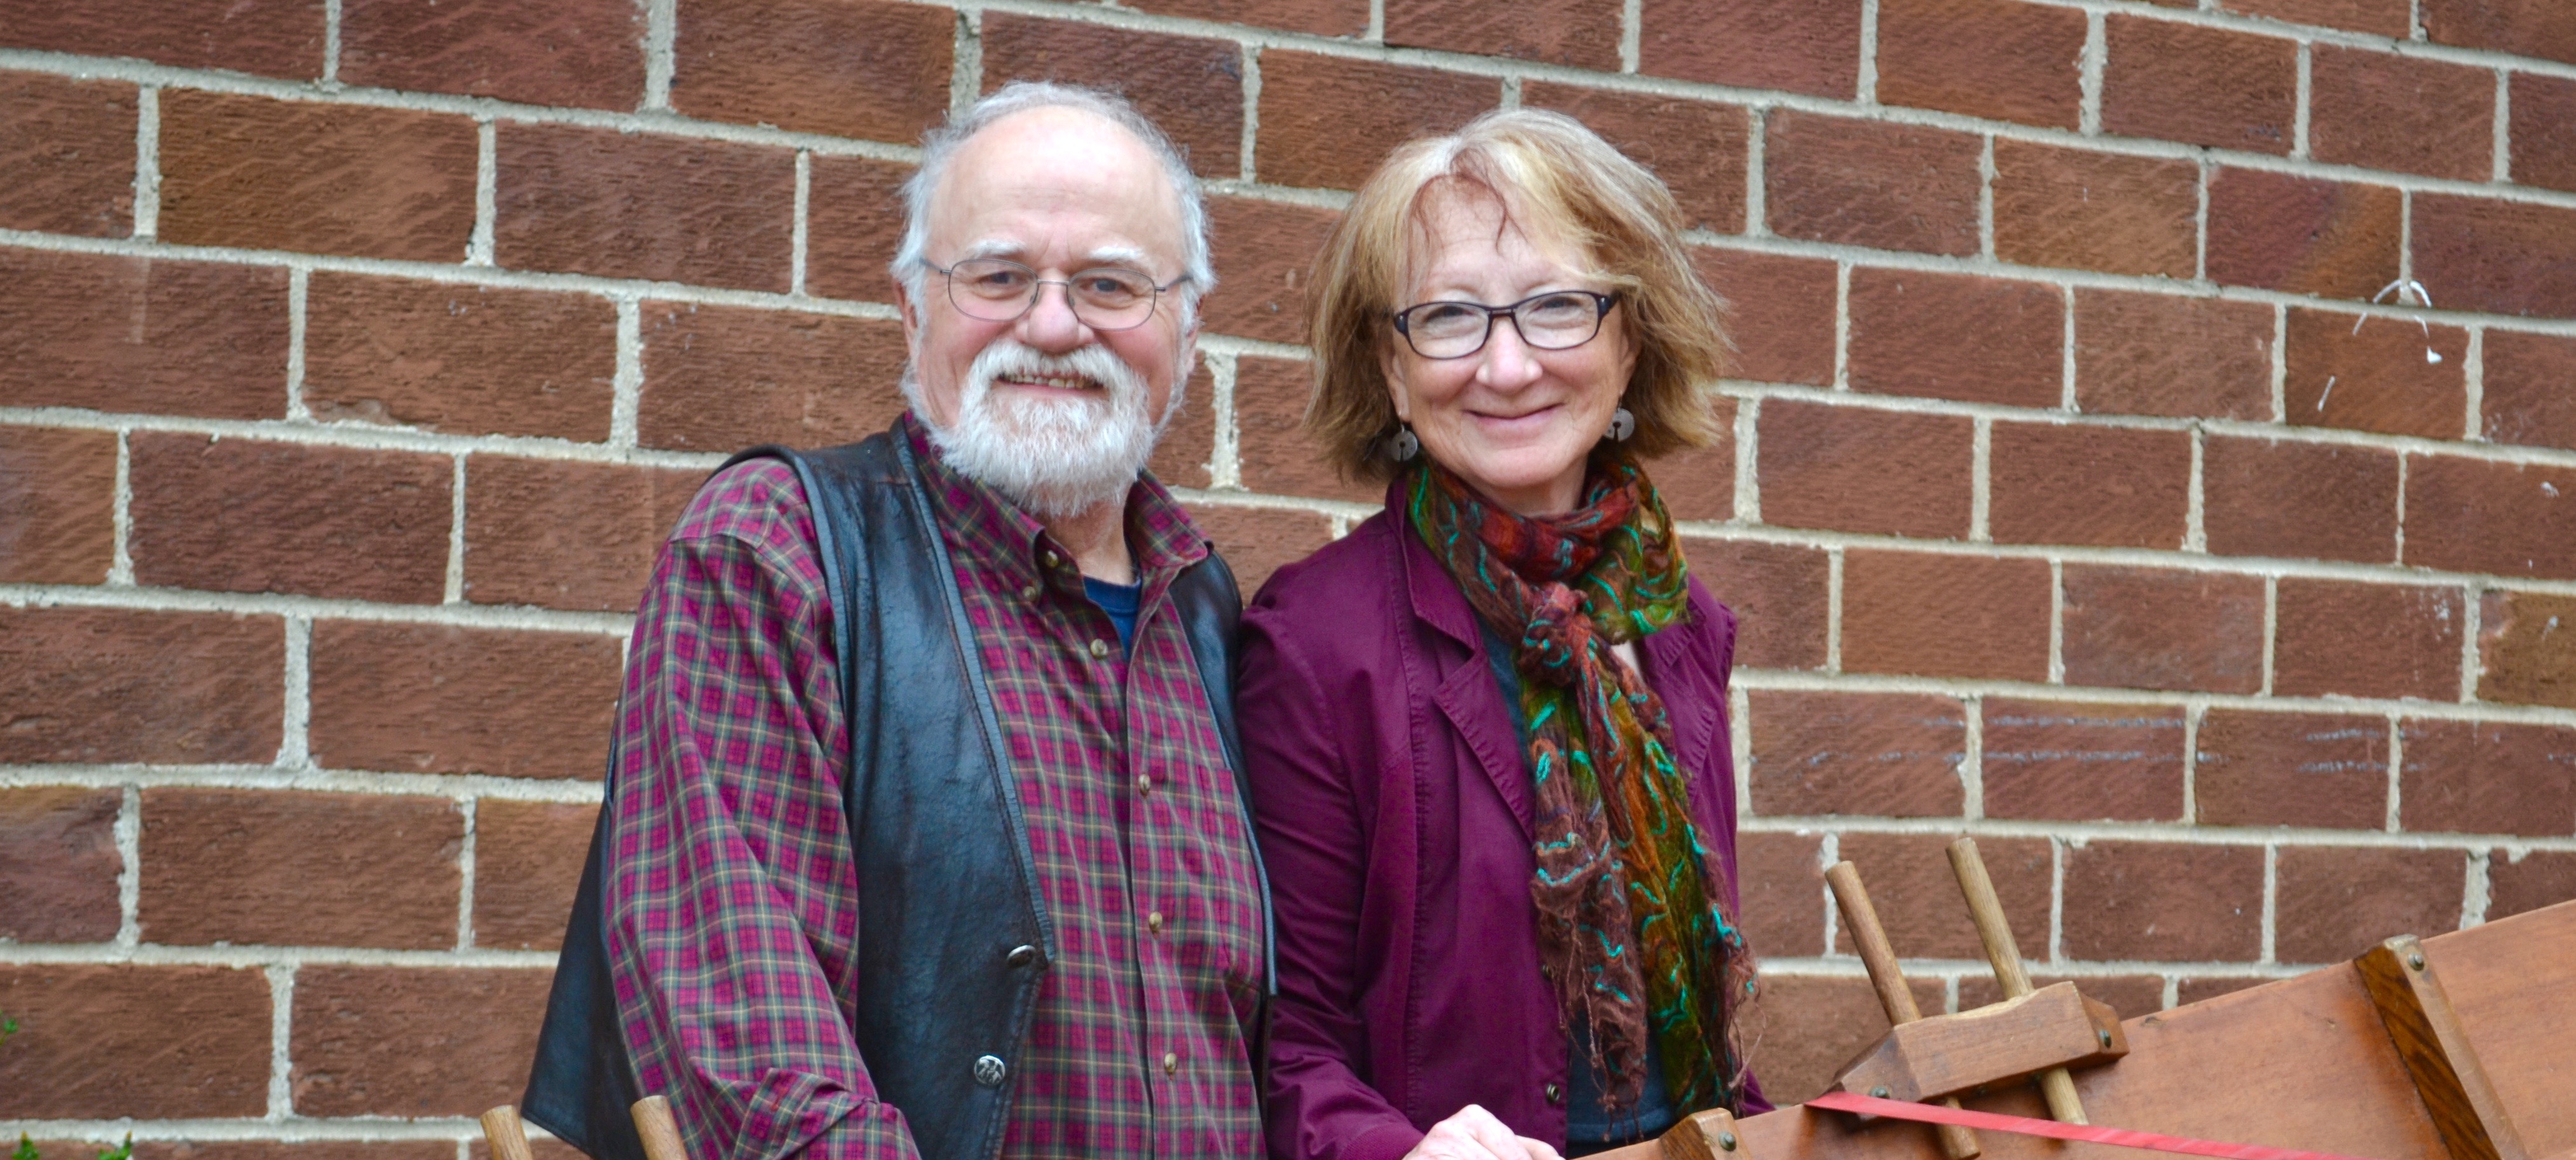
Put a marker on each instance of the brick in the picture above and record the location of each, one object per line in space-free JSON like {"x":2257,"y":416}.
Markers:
{"x":68,"y":147}
{"x":2154,"y":628}
{"x":148,"y":335}
{"x":853,"y":226}
{"x":2487,"y":777}
{"x":2494,"y":256}
{"x":1783,"y":911}
{"x":278,"y":38}
{"x":1264,"y":252}
{"x":2162,"y":354}
{"x":2530,"y":394}
{"x":1958,"y":336}
{"x":1258,"y":541}
{"x":643,"y":205}
{"x":59,"y":525}
{"x":58,"y":864}
{"x":1882,"y":755}
{"x":442,"y":356}
{"x":1276,"y":453}
{"x":847,"y":68}
{"x":1580,"y":33}
{"x":1929,"y":614}
{"x":1859,"y":469}
{"x":2319,"y":501}
{"x":1804,"y":46}
{"x":102,"y":685}
{"x":2335,"y":903}
{"x":239,"y":867}
{"x":317,"y":178}
{"x":2366,"y":640}
{"x":527,"y":862}
{"x":586,"y":53}
{"x":2390,"y":18}
{"x":1916,"y":894}
{"x":1698,"y":483}
{"x":2083,"y":210}
{"x":118,"y":1040}
{"x":386,"y":1040}
{"x":1814,"y":1024}
{"x":1696,"y":147}
{"x":2542,"y":128}
{"x":1999,"y":59}
{"x":2161,"y":902}
{"x":319,"y":1149}
{"x":2536,"y":879}
{"x":2527,"y":648}
{"x":1777,"y":592}
{"x":1870,"y":183}
{"x":2380,"y":110}
{"x":2475,"y":515}
{"x":427,"y":698}
{"x":1780,"y":312}
{"x":557,"y":534}
{"x":1313,"y":107}
{"x":2070,"y":484}
{"x":2303,"y":235}
{"x":2082,"y":761}
{"x":2310,"y":770}
{"x":2376,"y":377}
{"x":241,"y":515}
{"x":1346,"y":18}
{"x":2522,"y":27}
{"x":2132,"y":996}
{"x":722,"y":378}
{"x":1192,"y":87}
{"x":2199,"y":86}
{"x":1185,"y":454}
{"x":2191,"y":991}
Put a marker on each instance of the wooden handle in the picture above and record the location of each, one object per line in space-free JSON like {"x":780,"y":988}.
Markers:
{"x":661,"y":1133}
{"x":509,"y":1138}
{"x":1995,"y":931}
{"x":1893,"y":995}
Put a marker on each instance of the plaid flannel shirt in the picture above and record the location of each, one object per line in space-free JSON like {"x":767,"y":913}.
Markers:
{"x":734,"y":902}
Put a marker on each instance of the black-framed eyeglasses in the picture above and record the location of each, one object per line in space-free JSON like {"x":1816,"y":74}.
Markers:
{"x":1556,"y":320}
{"x":1103,"y":297}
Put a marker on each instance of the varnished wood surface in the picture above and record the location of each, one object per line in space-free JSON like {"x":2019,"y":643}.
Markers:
{"x":2055,"y":1026}
{"x":508,"y":1137}
{"x":2407,"y":988}
{"x":660,"y":1131}
{"x":1987,"y":911}
{"x":1860,"y":916}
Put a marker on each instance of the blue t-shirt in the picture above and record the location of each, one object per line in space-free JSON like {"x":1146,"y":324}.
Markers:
{"x":1119,"y":601}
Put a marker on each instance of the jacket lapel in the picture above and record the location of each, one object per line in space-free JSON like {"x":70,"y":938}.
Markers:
{"x":1466,"y":693}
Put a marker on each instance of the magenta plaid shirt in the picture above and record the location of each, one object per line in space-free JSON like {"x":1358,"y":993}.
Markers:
{"x":733,"y":902}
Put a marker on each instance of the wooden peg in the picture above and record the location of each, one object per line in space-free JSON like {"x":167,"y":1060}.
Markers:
{"x":661,"y":1133}
{"x":508,"y":1137}
{"x":1880,"y":959}
{"x":1992,"y":929}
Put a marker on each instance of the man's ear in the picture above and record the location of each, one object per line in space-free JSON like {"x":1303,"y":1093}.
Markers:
{"x":911,"y":312}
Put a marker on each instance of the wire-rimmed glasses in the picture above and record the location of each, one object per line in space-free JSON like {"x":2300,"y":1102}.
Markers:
{"x":1556,"y":320}
{"x":1102,"y":298}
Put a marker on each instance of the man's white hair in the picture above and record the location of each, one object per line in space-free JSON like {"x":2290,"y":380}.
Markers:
{"x":941,"y":145}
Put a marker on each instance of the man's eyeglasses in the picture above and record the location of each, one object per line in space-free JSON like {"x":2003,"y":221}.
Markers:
{"x":1103,"y":298}
{"x":1556,"y":320}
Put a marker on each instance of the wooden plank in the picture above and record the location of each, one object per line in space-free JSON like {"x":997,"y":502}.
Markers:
{"x":2427,"y":1037}
{"x":2055,"y":1026}
{"x":2513,"y":985}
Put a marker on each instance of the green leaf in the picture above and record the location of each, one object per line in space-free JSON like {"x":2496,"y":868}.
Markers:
{"x":26,"y":1149}
{"x":124,"y":1151}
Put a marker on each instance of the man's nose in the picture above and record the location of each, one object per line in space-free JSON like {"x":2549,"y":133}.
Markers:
{"x":1050,"y":323}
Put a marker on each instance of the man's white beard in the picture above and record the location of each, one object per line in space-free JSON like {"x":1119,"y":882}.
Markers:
{"x":1053,"y":456}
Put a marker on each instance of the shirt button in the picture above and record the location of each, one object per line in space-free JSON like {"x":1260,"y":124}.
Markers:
{"x":1052,"y":559}
{"x":1099,"y":648}
{"x":1029,"y":592}
{"x":1171,"y":1063}
{"x":1144,"y":785}
{"x":1555,"y":1094}
{"x":1154,"y":922}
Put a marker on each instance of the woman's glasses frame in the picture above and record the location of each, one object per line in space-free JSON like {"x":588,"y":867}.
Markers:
{"x":1407,"y":318}
{"x":1089,"y":313}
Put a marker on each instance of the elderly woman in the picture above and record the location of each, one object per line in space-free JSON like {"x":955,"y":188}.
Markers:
{"x":1486,"y":731}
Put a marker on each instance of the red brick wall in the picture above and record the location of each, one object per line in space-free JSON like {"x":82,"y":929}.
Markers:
{"x":353,"y":356}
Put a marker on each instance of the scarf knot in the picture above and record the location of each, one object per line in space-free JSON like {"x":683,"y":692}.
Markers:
{"x":1558,"y":637}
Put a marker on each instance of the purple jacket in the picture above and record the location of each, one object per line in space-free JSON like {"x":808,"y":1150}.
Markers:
{"x":1392,"y":802}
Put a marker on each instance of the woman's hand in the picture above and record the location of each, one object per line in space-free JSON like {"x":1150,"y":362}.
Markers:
{"x":1474,"y":1134}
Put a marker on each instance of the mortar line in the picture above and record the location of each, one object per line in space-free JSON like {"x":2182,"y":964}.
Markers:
{"x":1834,"y":610}
{"x":147,"y":162}
{"x":2394,"y":817}
{"x":2271,"y":903}
{"x":2088,"y":117}
{"x":1865,"y":90}
{"x":2057,"y":622}
{"x":1748,"y":461}
{"x":2280,"y":363}
{"x":2271,"y":629}
{"x":281,"y":1031}
{"x":1739,"y":741}
{"x":2056,"y":902}
{"x":1828,"y":852}
{"x":1972,"y":758}
{"x":331,"y":17}
{"x":2200,"y":220}
{"x":2192,"y":717}
{"x":1225,"y":454}
{"x":802,"y":224}
{"x":120,"y":566}
{"x":1245,"y":164}
{"x":1986,"y":196}
{"x":487,"y":182}
{"x":1375,"y":33}
{"x":661,"y":54}
{"x":2501,"y":128}
{"x":470,"y":810}
{"x":1842,"y":325}
{"x":2066,"y":355}
{"x":2404,"y":461}
{"x":2477,"y":892}
{"x":279,"y":776}
{"x":2301,"y":114}
{"x":455,"y":582}
{"x":2405,"y":237}
{"x":129,"y":875}
{"x":2415,"y":30}
{"x":1631,"y":34}
{"x":295,"y":717}
{"x":2472,"y":630}
{"x":966,"y":72}
{"x":1511,"y":93}
{"x":299,"y":280}
{"x":1756,"y":200}
{"x":2195,"y":534}
{"x":626,"y":388}
{"x":2172,"y":991}
{"x":1981,"y":481}
{"x":2474,"y":376}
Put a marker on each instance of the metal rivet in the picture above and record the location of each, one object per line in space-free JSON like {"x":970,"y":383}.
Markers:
{"x":2415,"y":961}
{"x":1726,"y":1140}
{"x":1099,"y":648}
{"x":989,"y":1070}
{"x":1879,"y":1092}
{"x":1023,"y":955}
{"x":2106,"y":1037}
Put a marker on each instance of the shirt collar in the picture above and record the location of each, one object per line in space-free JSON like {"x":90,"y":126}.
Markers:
{"x":994,"y":533}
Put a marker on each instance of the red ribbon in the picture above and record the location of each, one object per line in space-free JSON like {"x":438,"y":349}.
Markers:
{"x":2024,"y":1125}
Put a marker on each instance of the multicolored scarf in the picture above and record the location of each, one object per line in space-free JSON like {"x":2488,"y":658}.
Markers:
{"x":1630,"y":928}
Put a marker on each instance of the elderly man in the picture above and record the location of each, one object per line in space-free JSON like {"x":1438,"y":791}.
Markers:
{"x":924,"y":835}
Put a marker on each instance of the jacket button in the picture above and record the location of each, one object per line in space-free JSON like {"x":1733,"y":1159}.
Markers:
{"x":1023,"y":955}
{"x":1099,"y":648}
{"x":1555,"y":1094}
{"x":989,"y":1070}
{"x":1171,"y":1062}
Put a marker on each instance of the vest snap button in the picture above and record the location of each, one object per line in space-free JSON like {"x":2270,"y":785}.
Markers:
{"x":1555,"y":1094}
{"x":989,"y":1070}
{"x":1023,"y":955}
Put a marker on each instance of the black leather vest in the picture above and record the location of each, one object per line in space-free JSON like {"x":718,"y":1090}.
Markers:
{"x":935,"y":824}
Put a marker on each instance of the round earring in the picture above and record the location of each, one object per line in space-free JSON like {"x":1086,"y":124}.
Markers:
{"x":1403,"y":446}
{"x":1622,"y":425}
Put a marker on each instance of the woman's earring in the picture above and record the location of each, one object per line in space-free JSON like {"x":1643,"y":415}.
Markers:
{"x":1403,"y":447}
{"x":1622,"y":425}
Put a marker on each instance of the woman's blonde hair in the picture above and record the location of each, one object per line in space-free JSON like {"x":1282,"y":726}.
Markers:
{"x":1557,"y":180}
